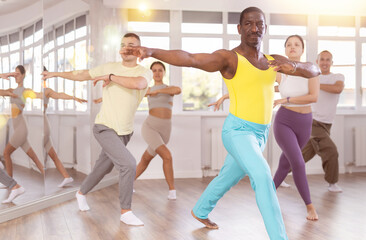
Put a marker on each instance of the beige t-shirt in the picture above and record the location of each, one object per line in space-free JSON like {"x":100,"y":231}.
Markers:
{"x":119,"y":103}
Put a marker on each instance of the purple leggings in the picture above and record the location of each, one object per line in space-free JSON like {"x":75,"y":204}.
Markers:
{"x":292,"y":131}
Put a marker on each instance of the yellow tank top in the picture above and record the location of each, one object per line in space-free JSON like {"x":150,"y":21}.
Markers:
{"x":251,"y":92}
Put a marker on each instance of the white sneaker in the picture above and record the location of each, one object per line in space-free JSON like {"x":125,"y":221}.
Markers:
{"x":172,"y":195}
{"x":13,"y":194}
{"x":2,"y":185}
{"x":81,"y":199}
{"x":65,"y":182}
{"x":334,"y":188}
{"x":130,"y":219}
{"x":285,"y":185}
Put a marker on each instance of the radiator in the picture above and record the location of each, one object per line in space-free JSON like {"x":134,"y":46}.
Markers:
{"x":359,"y":134}
{"x":218,"y":151}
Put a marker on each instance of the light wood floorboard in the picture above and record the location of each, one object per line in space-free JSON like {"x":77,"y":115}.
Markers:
{"x":342,"y":216}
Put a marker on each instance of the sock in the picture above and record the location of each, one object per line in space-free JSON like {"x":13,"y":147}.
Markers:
{"x":172,"y":195}
{"x":13,"y":194}
{"x":83,"y":205}
{"x":130,"y":219}
{"x":285,"y":185}
{"x":333,"y":187}
{"x":66,"y":181}
{"x":1,"y":165}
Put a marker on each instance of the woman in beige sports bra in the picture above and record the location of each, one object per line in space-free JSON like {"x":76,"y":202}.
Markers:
{"x":157,"y":126}
{"x":49,"y":93}
{"x":19,"y":137}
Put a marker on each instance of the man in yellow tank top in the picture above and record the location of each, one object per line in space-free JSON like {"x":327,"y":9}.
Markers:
{"x":249,"y":76}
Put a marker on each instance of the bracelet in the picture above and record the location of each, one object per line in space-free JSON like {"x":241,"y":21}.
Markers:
{"x":110,"y":75}
{"x":295,"y":66}
{"x":288,"y":99}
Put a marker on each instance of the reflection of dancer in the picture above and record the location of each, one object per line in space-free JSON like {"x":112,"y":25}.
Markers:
{"x":249,"y":78}
{"x":19,"y":137}
{"x":11,"y":184}
{"x":49,"y":93}
{"x":324,"y":110}
{"x":125,"y":84}
{"x":157,"y":126}
{"x":292,"y":124}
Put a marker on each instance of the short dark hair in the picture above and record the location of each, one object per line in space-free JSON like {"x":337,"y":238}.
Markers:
{"x":325,"y":51}
{"x":21,"y":69}
{"x":134,"y":35}
{"x":297,"y":36}
{"x":158,"y":62}
{"x":248,"y":10}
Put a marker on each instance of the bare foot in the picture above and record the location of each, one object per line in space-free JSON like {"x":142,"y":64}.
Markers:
{"x":312,"y":215}
{"x":207,"y":222}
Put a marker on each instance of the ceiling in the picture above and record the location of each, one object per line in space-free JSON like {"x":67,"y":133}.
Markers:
{"x":9,"y":6}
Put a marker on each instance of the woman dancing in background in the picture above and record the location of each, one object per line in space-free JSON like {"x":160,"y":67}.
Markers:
{"x":157,"y":126}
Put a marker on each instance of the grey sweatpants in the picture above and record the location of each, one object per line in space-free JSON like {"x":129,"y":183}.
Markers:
{"x":5,"y":179}
{"x":114,"y":154}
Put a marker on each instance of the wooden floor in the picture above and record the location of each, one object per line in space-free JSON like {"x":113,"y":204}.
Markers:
{"x":38,"y":186}
{"x":342,"y":215}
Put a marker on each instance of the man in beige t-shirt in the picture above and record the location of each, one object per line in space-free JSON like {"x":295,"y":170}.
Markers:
{"x":125,"y":84}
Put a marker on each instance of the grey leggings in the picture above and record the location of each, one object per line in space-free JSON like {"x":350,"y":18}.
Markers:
{"x":5,"y":179}
{"x":156,"y":132}
{"x":114,"y":154}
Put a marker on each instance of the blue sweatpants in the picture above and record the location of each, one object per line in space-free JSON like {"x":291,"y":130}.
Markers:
{"x":245,"y":142}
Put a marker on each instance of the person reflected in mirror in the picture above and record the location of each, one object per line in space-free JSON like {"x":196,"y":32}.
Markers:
{"x":19,"y":138}
{"x":50,"y":150}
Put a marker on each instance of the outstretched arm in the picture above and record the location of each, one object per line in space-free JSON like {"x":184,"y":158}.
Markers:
{"x":98,"y":100}
{"x":8,"y":92}
{"x":78,"y":75}
{"x":60,"y":95}
{"x":210,"y":62}
{"x":286,"y":66}
{"x":7,"y":75}
{"x":219,"y":102}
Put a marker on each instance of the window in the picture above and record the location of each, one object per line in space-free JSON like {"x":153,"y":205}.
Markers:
{"x":344,"y":59}
{"x":154,"y":34}
{"x":148,"y":21}
{"x":23,"y":48}
{"x":287,"y":24}
{"x":199,"y":87}
{"x":66,"y":49}
{"x":363,"y":27}
{"x":363,"y":84}
{"x":202,"y":22}
{"x":341,"y":26}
